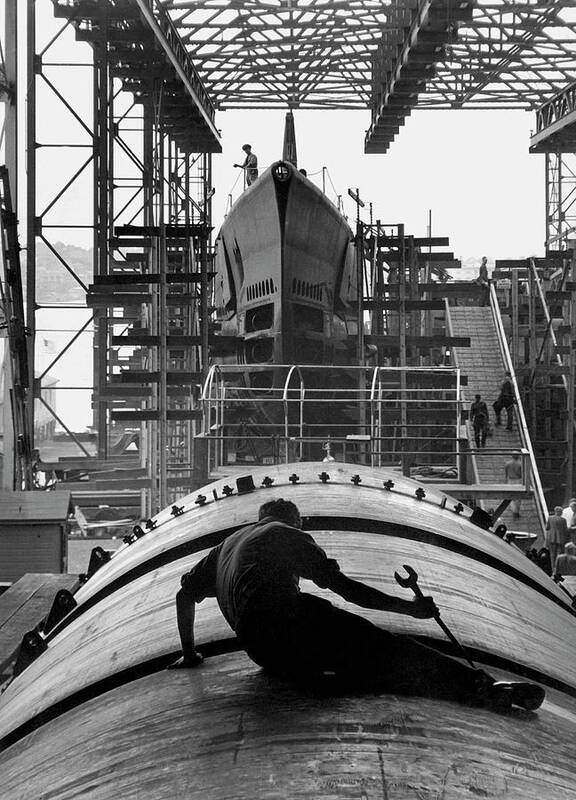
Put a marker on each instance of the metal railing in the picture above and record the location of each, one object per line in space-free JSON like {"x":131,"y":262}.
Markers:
{"x":540,"y":500}
{"x":381,"y":415}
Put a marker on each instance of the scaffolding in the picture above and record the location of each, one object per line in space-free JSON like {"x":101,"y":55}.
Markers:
{"x":17,"y":467}
{"x":141,"y":157}
{"x":537,"y":295}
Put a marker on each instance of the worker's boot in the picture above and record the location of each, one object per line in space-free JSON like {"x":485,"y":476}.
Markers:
{"x":503,"y":695}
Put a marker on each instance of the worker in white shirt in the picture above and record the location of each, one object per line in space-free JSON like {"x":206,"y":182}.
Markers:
{"x":569,"y":514}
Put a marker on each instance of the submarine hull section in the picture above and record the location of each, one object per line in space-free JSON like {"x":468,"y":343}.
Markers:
{"x":286,"y":274}
{"x":229,"y":732}
{"x":98,"y":715}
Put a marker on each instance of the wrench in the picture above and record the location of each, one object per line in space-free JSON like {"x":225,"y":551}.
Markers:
{"x":411,"y":582}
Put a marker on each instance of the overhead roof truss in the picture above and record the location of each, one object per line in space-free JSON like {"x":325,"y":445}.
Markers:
{"x":333,"y":54}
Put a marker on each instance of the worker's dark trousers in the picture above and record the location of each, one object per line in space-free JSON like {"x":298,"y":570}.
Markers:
{"x":321,"y":638}
{"x":480,"y":433}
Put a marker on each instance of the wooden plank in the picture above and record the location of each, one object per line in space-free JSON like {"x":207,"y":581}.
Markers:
{"x":121,"y":391}
{"x":172,"y":377}
{"x":501,"y":274}
{"x":146,"y":340}
{"x":509,"y":263}
{"x":117,"y":242}
{"x":150,"y":414}
{"x":86,"y":462}
{"x":558,"y":297}
{"x":117,"y":299}
{"x":121,"y":299}
{"x":419,"y":241}
{"x":121,"y":483}
{"x":419,"y":341}
{"x":410,"y":305}
{"x":129,"y":278}
{"x":170,"y":231}
{"x":545,"y":369}
{"x":431,"y":257}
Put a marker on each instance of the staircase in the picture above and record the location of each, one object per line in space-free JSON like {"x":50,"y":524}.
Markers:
{"x":482,"y":363}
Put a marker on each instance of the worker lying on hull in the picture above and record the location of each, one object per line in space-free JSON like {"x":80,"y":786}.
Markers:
{"x":254,"y":575}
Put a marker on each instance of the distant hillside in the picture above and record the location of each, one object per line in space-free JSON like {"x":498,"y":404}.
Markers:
{"x":54,"y":283}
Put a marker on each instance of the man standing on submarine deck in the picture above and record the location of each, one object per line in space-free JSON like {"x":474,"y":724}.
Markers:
{"x":254,"y":574}
{"x":250,"y":165}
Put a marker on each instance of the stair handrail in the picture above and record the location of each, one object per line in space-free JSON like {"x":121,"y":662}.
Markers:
{"x":454,"y":357}
{"x":542,"y":296}
{"x":541,"y":506}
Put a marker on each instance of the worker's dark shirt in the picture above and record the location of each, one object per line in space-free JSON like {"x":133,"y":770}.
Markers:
{"x":479,"y":413}
{"x":507,"y":393}
{"x":257,"y":571}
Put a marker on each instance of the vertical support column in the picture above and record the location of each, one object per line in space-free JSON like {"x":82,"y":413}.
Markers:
{"x":569,"y":489}
{"x":514,"y":314}
{"x":533,"y":351}
{"x":360,"y":291}
{"x":102,"y":187}
{"x":148,"y":443}
{"x":163,"y":315}
{"x":204,"y":268}
{"x":31,"y":225}
{"x":360,"y":357}
{"x":402,"y":344}
{"x":553,"y":171}
{"x":402,"y":296}
{"x":547,"y":200}
{"x":11,"y":103}
{"x":11,"y":151}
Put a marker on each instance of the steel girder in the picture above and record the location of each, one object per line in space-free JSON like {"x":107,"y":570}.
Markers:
{"x":335,"y":54}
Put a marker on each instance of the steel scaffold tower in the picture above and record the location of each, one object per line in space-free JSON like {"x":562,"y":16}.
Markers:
{"x":146,"y":144}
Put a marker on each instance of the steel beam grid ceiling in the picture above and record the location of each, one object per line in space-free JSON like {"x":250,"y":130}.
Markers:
{"x":334,"y":54}
{"x":145,"y":52}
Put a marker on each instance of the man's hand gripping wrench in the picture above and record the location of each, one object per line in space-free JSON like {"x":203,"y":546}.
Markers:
{"x":411,"y":582}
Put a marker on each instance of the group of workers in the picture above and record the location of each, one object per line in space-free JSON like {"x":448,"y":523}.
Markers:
{"x":480,"y":417}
